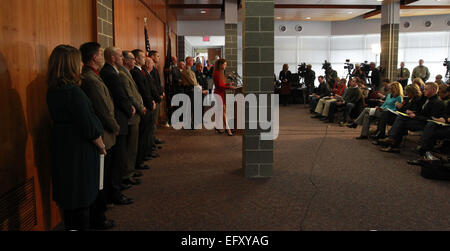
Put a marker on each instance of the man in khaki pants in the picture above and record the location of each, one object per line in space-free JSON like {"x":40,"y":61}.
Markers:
{"x":133,"y":124}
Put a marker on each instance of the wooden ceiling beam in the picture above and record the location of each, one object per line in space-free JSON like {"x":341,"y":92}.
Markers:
{"x":195,"y":6}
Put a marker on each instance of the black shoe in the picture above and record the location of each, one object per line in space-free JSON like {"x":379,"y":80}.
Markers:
{"x":362,"y":137}
{"x":123,"y":200}
{"x":107,"y":224}
{"x":131,"y":181}
{"x":143,"y":167}
{"x":155,"y":155}
{"x":386,"y":142}
{"x":137,"y":174}
{"x":415,"y":162}
{"x":323,"y":119}
{"x":125,"y":187}
{"x":148,"y":158}
{"x":352,"y":125}
{"x":316,"y":116}
{"x":159,"y":142}
{"x":390,"y":149}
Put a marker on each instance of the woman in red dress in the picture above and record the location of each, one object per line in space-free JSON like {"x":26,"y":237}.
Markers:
{"x":219,"y":88}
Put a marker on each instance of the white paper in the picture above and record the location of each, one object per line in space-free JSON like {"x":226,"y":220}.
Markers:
{"x":102,"y":171}
{"x":372,"y":111}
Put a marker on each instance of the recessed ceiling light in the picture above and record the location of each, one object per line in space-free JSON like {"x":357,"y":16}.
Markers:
{"x":203,"y":11}
{"x":350,"y":12}
{"x":278,"y":17}
{"x":308,"y":18}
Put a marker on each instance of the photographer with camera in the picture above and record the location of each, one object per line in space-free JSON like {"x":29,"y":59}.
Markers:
{"x":447,"y":74}
{"x":375,"y":77}
{"x":330,"y":74}
{"x":285,"y":78}
{"x":306,"y":72}
{"x":358,"y":72}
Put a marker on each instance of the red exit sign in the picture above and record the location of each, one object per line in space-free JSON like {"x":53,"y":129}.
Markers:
{"x":205,"y":38}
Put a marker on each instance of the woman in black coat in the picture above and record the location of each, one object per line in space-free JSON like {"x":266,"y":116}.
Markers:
{"x":76,"y":139}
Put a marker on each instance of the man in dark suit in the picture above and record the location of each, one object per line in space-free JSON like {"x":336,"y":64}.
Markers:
{"x":124,"y":110}
{"x":146,"y":126}
{"x":151,"y":82}
{"x":103,"y":105}
{"x":154,"y":55}
{"x":375,"y":77}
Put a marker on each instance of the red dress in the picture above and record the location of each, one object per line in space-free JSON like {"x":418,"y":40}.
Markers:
{"x":220,"y":86}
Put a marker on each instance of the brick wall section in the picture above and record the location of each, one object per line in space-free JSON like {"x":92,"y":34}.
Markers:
{"x":105,"y":23}
{"x":389,"y":50}
{"x":258,"y":70}
{"x":231,"y":49}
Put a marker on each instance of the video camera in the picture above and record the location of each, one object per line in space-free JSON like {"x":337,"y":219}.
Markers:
{"x":348,"y":66}
{"x":302,"y":69}
{"x":326,"y":66}
{"x":447,"y":63}
{"x":365,"y":67}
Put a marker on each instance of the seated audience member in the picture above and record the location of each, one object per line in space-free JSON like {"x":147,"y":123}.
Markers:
{"x":323,"y":106}
{"x":415,"y":120}
{"x":413,"y":102}
{"x":432,"y":132}
{"x":351,"y":97}
{"x":76,"y":142}
{"x":394,"y":97}
{"x":444,"y":93}
{"x":321,"y":92}
{"x":376,"y":97}
{"x":438,"y":80}
{"x":419,"y":82}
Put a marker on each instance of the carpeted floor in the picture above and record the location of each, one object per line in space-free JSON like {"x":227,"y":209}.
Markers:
{"x":324,"y":179}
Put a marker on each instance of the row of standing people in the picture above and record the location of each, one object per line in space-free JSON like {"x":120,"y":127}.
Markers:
{"x":186,"y":77}
{"x":103,"y":105}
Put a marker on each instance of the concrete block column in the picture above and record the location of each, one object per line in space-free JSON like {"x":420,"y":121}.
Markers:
{"x":105,"y":23}
{"x":231,"y":48}
{"x":390,"y":27}
{"x":258,"y":70}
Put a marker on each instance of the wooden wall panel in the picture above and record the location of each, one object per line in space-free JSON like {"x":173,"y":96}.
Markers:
{"x":129,"y":28}
{"x":30,"y":31}
{"x":158,"y":7}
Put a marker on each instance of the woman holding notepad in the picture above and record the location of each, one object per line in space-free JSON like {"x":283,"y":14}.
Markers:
{"x":392,"y":99}
{"x":415,"y":101}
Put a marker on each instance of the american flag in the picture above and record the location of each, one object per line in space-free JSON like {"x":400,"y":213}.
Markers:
{"x":147,"y":43}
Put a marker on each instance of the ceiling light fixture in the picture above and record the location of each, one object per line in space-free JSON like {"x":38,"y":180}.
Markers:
{"x":308,"y":18}
{"x":203,"y":11}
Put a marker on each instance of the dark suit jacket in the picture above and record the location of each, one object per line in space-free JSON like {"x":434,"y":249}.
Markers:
{"x":434,"y":108}
{"x":103,"y":104}
{"x":144,"y":87}
{"x":122,"y":103}
{"x":155,"y":75}
{"x":151,"y":81}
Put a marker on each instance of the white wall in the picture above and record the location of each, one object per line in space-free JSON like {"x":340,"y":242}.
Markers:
{"x":362,"y":26}
{"x":201,"y":28}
